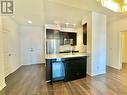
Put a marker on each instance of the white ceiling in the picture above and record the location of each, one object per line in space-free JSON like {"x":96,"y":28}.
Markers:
{"x":29,"y":10}
{"x":48,"y":11}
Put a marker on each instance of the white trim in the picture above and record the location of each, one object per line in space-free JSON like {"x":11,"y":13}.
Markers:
{"x":45,"y":39}
{"x":101,"y":73}
{"x":2,"y":86}
{"x":48,"y":81}
{"x":120,"y":48}
{"x":13,"y":71}
{"x":114,"y":66}
{"x":84,"y":21}
{"x":32,"y":64}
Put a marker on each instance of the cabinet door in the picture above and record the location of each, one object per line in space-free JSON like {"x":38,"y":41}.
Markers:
{"x":74,"y":37}
{"x":68,"y":35}
{"x":63,"y":35}
{"x":85,"y":34}
{"x":52,"y":34}
{"x":75,"y":68}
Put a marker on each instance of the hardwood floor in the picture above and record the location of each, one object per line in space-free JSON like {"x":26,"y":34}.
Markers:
{"x":30,"y":80}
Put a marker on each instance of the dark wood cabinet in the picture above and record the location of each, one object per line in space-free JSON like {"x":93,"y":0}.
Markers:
{"x":85,"y":34}
{"x":74,"y":68}
{"x":52,"y":34}
{"x":68,"y":35}
{"x":56,"y":34}
{"x":74,"y":37}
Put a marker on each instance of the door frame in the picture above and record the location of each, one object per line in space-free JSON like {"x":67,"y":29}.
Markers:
{"x":120,"y":48}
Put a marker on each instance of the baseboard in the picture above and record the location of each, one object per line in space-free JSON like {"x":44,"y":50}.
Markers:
{"x":124,"y":62}
{"x":113,"y":66}
{"x":2,"y":86}
{"x":33,"y":64}
{"x":21,"y":66}
{"x":48,"y":81}
{"x":13,"y":71}
{"x":96,"y":74}
{"x":88,"y":73}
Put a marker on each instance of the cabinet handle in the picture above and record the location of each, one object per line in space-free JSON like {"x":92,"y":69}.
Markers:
{"x":9,"y":54}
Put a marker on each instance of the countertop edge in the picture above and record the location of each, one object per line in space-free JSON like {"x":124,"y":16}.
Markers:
{"x":56,"y":56}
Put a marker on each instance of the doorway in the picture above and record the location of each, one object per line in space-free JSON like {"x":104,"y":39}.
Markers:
{"x":123,"y":51}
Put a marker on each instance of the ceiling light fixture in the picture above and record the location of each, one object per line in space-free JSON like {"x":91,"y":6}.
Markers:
{"x":30,"y":22}
{"x":115,"y":5}
{"x":58,"y":26}
{"x":74,"y":25}
{"x":67,"y":23}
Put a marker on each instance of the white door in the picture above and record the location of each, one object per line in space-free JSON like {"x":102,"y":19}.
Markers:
{"x":31,"y":47}
{"x":29,"y":55}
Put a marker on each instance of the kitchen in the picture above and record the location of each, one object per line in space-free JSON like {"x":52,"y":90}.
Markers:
{"x":67,"y":43}
{"x":61,"y":55}
{"x":64,"y":60}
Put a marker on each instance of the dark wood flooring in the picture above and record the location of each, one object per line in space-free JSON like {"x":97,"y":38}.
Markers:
{"x":30,"y":80}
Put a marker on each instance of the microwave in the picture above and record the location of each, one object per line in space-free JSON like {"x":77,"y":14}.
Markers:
{"x":68,"y":41}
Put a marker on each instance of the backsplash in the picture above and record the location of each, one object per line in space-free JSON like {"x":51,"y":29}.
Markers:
{"x":80,"y":48}
{"x":67,"y":48}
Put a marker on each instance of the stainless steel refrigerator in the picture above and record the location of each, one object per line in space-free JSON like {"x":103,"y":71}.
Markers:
{"x":53,"y":46}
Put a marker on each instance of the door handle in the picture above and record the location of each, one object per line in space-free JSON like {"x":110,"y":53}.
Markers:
{"x":9,"y":54}
{"x":31,"y":49}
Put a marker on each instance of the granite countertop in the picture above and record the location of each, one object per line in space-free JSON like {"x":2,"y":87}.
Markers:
{"x":65,"y":55}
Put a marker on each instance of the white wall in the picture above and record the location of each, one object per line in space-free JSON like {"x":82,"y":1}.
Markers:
{"x":11,"y":45}
{"x":113,"y":41}
{"x":98,"y":64}
{"x":2,"y":80}
{"x":32,"y":37}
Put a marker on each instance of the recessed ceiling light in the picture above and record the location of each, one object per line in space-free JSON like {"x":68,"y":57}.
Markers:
{"x":125,"y":1}
{"x":74,"y":25}
{"x":67,"y":23}
{"x":30,"y":22}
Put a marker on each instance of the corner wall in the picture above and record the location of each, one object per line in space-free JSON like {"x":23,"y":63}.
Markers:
{"x":2,"y":77}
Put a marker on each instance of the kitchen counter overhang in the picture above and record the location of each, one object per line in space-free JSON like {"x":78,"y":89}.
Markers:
{"x":65,"y":55}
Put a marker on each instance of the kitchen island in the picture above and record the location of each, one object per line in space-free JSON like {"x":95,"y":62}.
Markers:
{"x":73,"y":66}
